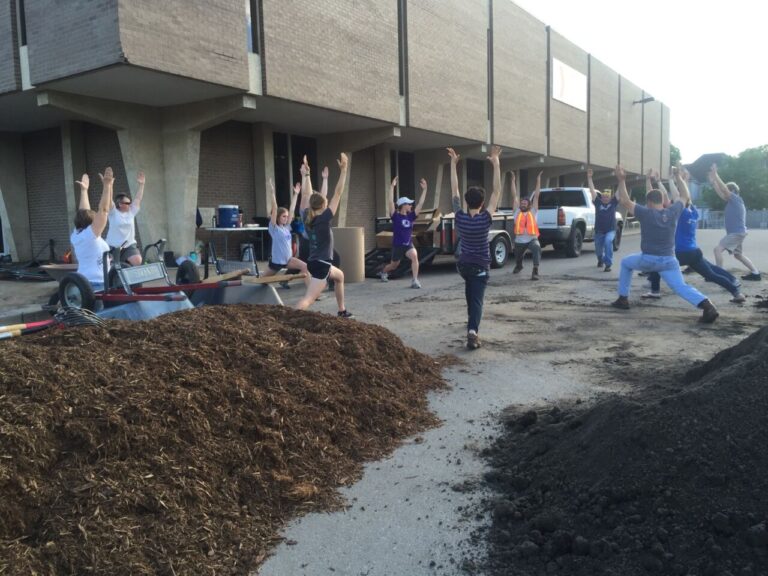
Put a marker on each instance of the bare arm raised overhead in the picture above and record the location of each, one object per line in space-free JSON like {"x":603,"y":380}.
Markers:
{"x":536,"y":193}
{"x":273,"y":211}
{"x":591,"y":185}
{"x":294,"y":198}
{"x":324,"y":185}
{"x":621,"y":191}
{"x":392,"y":187}
{"x":718,"y":184}
{"x":339,"y":190}
{"x":420,"y":204}
{"x":496,"y":163}
{"x":140,"y":179}
{"x":681,"y":184}
{"x":102,"y":214}
{"x":454,"y":177}
{"x":306,"y":184}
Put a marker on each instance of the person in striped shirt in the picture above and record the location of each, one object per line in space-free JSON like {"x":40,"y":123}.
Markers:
{"x":474,"y":254}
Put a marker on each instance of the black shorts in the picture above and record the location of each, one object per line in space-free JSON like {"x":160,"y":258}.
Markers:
{"x":276,"y":267}
{"x":399,"y":251}
{"x":128,"y":251}
{"x":319,"y":269}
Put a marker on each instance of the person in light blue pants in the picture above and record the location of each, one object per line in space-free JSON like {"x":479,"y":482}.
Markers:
{"x":657,"y":245}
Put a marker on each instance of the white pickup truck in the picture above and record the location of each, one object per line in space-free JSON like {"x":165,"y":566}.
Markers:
{"x":566,"y":219}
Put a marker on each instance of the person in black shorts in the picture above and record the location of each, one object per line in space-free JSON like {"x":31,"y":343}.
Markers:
{"x":318,"y":214}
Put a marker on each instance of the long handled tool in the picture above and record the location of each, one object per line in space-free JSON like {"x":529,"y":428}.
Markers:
{"x":68,"y":317}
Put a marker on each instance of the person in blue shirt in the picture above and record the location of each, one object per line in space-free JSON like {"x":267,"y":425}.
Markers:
{"x":474,"y":253}
{"x":605,"y":223}
{"x":686,"y":250}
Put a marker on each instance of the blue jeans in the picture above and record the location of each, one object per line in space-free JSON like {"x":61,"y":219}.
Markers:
{"x":667,"y":267}
{"x":475,"y":281}
{"x":711,"y":273}
{"x":604,"y":246}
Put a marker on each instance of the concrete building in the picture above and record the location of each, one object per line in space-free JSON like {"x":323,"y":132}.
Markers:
{"x":213,"y":98}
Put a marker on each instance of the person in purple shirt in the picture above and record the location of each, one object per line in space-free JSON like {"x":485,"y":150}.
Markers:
{"x":403,"y":216}
{"x":686,"y":250}
{"x":474,"y":254}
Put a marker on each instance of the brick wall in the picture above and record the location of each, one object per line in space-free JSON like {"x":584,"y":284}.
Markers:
{"x":44,"y":167}
{"x":519,"y":79}
{"x":226,"y":175}
{"x":348,"y":61}
{"x":10,"y":74}
{"x":202,"y":39}
{"x":361,"y":204}
{"x":66,"y":38}
{"x":447,"y":66}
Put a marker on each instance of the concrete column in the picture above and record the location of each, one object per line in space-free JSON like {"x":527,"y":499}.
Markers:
{"x":382,"y":177}
{"x":14,"y":210}
{"x":73,"y":153}
{"x":263,"y":166}
{"x":180,"y":170}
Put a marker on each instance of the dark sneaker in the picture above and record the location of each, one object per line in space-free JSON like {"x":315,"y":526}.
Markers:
{"x":622,"y":303}
{"x":345,"y":314}
{"x":752,"y":276}
{"x":535,"y":273}
{"x":599,"y":263}
{"x":607,"y":268}
{"x":517,"y":269}
{"x":710,"y":313}
{"x":473,"y":341}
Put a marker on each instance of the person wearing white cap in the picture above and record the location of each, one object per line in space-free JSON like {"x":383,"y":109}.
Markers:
{"x":403,"y":215}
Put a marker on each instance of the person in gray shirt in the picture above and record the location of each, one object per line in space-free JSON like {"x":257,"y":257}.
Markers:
{"x":735,"y":224}
{"x":657,"y":245}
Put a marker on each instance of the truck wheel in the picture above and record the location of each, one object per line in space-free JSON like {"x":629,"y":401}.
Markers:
{"x":76,"y":292}
{"x":573,"y":248}
{"x":499,"y":251}
{"x":617,"y":238}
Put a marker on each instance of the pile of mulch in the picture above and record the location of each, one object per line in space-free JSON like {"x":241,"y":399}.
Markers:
{"x":182,"y":444}
{"x":655,"y":483}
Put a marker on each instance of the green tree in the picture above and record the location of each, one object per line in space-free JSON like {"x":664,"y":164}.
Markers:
{"x":750,"y":171}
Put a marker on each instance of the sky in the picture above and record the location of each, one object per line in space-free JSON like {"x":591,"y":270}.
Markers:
{"x":704,"y":59}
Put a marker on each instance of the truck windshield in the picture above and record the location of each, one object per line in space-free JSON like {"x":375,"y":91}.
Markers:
{"x":556,"y":198}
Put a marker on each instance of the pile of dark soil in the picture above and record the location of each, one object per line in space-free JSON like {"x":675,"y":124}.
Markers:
{"x":180,"y":445}
{"x":664,"y":483}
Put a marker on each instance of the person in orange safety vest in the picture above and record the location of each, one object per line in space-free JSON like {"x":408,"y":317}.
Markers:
{"x":526,"y":228}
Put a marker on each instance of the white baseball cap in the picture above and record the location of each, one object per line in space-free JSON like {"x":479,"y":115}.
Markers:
{"x":404,"y":200}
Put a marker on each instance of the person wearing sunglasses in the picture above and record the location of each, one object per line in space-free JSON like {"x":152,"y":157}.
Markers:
{"x":122,"y":224}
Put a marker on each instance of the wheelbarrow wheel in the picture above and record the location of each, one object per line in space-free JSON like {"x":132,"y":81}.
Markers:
{"x":76,"y":292}
{"x":187,"y":273}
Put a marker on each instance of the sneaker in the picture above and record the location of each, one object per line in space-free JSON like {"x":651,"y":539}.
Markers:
{"x":517,"y":269}
{"x":752,"y":276}
{"x":738,"y":298}
{"x":384,"y":276}
{"x":622,"y":303}
{"x":710,"y":313}
{"x":535,"y":273}
{"x":473,"y":341}
{"x":415,"y":284}
{"x":607,"y":268}
{"x":655,"y":295}
{"x":599,"y":263}
{"x":345,"y":314}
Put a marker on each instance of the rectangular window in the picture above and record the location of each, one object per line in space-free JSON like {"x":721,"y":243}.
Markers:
{"x":253,"y":20}
{"x":402,"y":45}
{"x":22,"y":17}
{"x":569,"y":86}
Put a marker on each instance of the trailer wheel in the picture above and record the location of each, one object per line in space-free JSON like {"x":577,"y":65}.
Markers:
{"x":500,"y":249}
{"x":76,"y":292}
{"x":187,"y":273}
